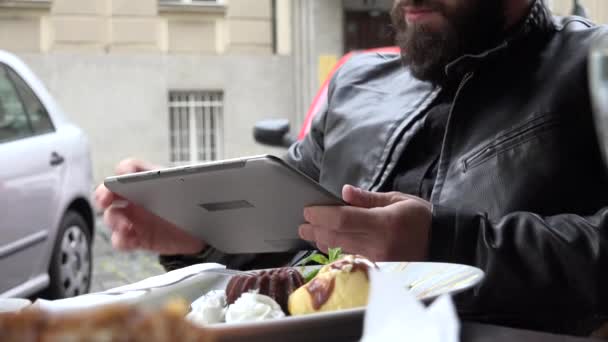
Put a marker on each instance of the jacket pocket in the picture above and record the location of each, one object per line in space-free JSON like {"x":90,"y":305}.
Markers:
{"x":509,"y":140}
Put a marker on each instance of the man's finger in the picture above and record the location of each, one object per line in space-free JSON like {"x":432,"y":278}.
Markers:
{"x":317,"y":235}
{"x":353,"y":243}
{"x":306,"y":232}
{"x":127,"y":166}
{"x":325,"y":239}
{"x":356,"y":243}
{"x":323,"y":247}
{"x":365,"y":199}
{"x":117,"y":219}
{"x":353,"y":196}
{"x":103,"y":197}
{"x":131,"y":165}
{"x":342,"y":219}
{"x":124,"y":241}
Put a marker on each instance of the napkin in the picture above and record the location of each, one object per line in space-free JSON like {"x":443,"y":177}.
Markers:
{"x":186,"y":282}
{"x":394,"y":314}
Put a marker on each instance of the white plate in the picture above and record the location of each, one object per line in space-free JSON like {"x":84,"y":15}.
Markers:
{"x":13,"y":304}
{"x":426,"y":280}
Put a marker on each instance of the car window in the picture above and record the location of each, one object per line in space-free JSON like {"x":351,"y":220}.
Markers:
{"x":39,"y":117}
{"x":14,"y":123}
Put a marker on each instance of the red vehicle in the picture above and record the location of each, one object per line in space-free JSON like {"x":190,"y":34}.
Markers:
{"x":276,"y":132}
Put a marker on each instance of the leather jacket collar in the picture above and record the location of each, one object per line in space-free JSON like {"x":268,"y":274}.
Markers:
{"x":535,"y":28}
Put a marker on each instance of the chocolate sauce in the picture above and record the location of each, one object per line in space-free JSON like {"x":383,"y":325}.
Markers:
{"x":358,"y":264}
{"x":320,"y":289}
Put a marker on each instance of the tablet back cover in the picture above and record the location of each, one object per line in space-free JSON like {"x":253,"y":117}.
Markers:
{"x":249,"y":205}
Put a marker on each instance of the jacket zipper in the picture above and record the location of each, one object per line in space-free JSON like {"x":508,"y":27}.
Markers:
{"x":495,"y":147}
{"x":380,"y":177}
{"x":439,"y":182}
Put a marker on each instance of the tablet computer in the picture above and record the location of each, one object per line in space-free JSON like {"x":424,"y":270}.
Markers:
{"x":246,"y":205}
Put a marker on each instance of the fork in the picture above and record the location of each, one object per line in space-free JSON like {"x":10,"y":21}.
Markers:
{"x":220,"y":271}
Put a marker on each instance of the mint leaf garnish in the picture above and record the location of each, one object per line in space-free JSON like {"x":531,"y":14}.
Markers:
{"x":332,"y":255}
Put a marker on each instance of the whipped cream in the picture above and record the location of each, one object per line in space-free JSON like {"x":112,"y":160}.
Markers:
{"x":209,"y":309}
{"x":253,"y":307}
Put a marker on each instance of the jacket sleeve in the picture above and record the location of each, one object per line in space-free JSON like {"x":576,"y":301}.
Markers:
{"x":306,"y":155}
{"x":534,"y":265}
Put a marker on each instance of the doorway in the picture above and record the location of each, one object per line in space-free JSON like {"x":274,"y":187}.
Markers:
{"x":367,"y":24}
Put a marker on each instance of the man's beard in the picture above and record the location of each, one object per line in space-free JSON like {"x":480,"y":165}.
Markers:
{"x":470,"y":29}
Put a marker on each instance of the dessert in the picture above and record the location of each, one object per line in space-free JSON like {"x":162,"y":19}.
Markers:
{"x":250,"y":306}
{"x":209,"y":309}
{"x":253,"y":307}
{"x":277,"y":284}
{"x":248,"y":297}
{"x":343,"y":284}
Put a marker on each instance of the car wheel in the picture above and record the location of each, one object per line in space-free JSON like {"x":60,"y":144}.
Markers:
{"x":70,"y":268}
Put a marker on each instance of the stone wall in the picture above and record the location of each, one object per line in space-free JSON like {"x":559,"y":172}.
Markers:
{"x":122,"y":101}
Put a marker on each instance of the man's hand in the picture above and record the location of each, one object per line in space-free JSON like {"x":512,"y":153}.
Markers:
{"x":135,"y":228}
{"x":381,"y":226}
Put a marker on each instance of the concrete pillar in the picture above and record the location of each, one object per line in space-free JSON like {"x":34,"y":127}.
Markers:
{"x":303,"y":32}
{"x":318,"y":33}
{"x":284,"y":21}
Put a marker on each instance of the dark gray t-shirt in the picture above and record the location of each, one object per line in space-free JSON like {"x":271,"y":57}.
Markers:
{"x":417,"y":167}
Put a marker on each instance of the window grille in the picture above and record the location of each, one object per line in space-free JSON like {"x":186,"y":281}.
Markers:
{"x":195,"y":126}
{"x":191,"y":2}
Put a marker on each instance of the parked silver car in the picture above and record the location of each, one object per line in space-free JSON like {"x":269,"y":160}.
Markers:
{"x":46,"y":220}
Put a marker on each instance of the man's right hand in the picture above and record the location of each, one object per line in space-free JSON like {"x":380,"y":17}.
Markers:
{"x":133,"y":227}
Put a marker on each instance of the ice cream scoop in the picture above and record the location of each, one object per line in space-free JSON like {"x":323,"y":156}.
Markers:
{"x":210,"y":309}
{"x":253,"y":307}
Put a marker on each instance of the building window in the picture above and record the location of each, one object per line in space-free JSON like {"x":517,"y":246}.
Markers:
{"x":191,"y":2}
{"x":195,"y":125}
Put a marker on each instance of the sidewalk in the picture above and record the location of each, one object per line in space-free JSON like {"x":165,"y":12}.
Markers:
{"x":112,"y":268}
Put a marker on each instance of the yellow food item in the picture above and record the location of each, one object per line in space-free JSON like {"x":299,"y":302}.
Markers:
{"x":343,"y":284}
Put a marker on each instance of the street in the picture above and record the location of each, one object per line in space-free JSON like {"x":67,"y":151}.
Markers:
{"x":112,"y":268}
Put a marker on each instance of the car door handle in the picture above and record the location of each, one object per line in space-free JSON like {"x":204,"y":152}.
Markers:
{"x":56,"y":159}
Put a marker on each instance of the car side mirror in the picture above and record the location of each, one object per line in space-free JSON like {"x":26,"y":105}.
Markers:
{"x":273,"y":132}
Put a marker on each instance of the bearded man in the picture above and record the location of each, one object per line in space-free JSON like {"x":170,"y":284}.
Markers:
{"x":476,"y":146}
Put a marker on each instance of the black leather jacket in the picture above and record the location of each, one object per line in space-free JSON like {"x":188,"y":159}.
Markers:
{"x":521,"y":191}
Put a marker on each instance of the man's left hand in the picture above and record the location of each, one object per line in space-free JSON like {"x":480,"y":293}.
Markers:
{"x":381,"y":226}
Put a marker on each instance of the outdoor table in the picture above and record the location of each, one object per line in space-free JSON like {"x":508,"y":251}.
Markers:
{"x":475,"y":332}
{"x":350,"y":330}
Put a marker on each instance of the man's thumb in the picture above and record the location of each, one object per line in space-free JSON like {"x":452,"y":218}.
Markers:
{"x":365,"y":199}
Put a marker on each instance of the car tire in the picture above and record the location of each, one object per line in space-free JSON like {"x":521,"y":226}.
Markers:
{"x":71,"y":262}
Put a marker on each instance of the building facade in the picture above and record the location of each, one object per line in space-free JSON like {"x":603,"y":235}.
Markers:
{"x":180,"y":81}
{"x":168,"y":81}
